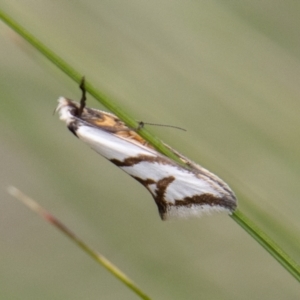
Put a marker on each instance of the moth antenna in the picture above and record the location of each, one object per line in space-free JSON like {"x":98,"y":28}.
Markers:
{"x":83,"y":96}
{"x":142,"y":124}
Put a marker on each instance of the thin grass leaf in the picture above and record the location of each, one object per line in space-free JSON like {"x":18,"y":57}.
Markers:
{"x":42,"y":212}
{"x":282,"y":257}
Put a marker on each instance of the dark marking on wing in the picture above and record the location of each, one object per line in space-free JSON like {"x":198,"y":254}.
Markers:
{"x":206,"y":199}
{"x":159,"y":196}
{"x":134,"y":160}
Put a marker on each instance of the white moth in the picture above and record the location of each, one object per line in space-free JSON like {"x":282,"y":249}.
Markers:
{"x":177,"y":191}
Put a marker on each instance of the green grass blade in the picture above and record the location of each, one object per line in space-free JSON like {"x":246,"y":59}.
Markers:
{"x":283,"y":258}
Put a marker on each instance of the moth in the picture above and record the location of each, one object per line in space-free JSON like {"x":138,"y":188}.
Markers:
{"x":178,"y":190}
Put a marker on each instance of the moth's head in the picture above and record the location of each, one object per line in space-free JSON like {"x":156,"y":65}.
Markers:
{"x":67,"y":109}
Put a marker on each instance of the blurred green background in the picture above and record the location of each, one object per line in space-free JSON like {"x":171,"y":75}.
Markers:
{"x":227,"y":71}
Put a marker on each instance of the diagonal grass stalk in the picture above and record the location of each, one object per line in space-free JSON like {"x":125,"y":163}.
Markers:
{"x":281,"y":256}
{"x":34,"y":206}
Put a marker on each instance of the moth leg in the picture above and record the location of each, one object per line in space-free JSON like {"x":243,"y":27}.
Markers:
{"x":83,"y":97}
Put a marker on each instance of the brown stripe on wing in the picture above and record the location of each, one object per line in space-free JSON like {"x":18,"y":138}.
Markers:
{"x":159,"y":197}
{"x":131,"y":161}
{"x":207,"y":199}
